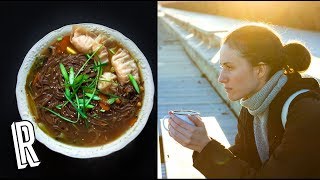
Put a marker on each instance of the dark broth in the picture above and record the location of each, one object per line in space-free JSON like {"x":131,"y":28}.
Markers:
{"x":45,"y":88}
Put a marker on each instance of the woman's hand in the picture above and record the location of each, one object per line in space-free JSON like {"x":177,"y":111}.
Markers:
{"x":192,"y":137}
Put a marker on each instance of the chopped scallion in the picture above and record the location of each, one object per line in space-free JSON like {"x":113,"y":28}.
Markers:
{"x":111,"y":100}
{"x":94,"y":97}
{"x":134,"y":83}
{"x":89,"y":106}
{"x":112,"y":50}
{"x":82,"y":67}
{"x":67,"y":90}
{"x":64,"y":73}
{"x":59,"y":106}
{"x":79,"y":110}
{"x":102,"y":64}
{"x":60,"y":116}
{"x":71,"y":77}
{"x":80,"y":79}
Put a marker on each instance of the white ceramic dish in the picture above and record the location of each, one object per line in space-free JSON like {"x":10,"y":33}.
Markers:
{"x":86,"y":152}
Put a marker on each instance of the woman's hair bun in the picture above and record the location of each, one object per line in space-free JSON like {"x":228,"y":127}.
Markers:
{"x":297,"y":57}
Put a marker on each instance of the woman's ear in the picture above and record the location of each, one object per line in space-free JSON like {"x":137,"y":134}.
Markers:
{"x":262,"y":70}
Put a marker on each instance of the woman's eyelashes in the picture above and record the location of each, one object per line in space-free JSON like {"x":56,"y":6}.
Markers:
{"x":226,"y":67}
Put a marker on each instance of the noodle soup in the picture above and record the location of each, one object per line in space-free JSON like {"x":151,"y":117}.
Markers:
{"x":76,"y":93}
{"x":86,"y":88}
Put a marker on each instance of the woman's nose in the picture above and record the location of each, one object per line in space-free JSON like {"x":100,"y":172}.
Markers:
{"x":222,"y":78}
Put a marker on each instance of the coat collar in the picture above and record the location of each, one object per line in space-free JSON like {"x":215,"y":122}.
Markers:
{"x":274,"y":126}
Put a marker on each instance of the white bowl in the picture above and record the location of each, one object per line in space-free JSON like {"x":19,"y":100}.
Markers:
{"x":86,"y":152}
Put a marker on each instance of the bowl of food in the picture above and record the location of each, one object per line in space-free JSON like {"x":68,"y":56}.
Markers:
{"x":87,"y":89}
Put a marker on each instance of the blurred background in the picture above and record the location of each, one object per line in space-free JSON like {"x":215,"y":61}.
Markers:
{"x":296,"y":14}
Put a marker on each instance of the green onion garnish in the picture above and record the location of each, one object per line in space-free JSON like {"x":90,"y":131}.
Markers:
{"x":134,"y":83}
{"x":80,"y":79}
{"x":59,"y":106}
{"x":112,"y":50}
{"x":94,"y":97}
{"x":89,"y":106}
{"x":57,"y":114}
{"x":64,"y":73}
{"x":102,"y":64}
{"x":79,"y":110}
{"x":111,"y":100}
{"x":82,"y":67}
{"x":73,"y":81}
{"x":67,"y":91}
{"x":71,"y":77}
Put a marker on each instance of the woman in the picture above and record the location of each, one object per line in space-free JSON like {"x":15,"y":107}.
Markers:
{"x":262,"y":73}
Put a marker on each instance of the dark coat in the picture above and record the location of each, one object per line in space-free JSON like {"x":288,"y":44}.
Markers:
{"x":294,"y":152}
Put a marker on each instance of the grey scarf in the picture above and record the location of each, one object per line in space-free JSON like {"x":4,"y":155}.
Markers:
{"x":258,"y":106}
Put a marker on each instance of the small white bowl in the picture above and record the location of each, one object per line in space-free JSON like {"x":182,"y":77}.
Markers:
{"x":86,"y":152}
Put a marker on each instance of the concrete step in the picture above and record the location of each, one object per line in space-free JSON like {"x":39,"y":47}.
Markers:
{"x":186,"y":81}
{"x":211,"y":23}
{"x":207,"y":91}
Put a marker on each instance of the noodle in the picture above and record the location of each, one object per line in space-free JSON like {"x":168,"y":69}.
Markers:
{"x":46,"y":86}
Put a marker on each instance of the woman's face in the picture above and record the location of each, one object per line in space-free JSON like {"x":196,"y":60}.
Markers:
{"x":239,"y":77}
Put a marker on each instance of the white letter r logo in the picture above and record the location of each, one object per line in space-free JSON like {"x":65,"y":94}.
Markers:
{"x":23,"y":147}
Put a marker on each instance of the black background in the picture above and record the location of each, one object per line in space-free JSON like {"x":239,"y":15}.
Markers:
{"x":22,"y":25}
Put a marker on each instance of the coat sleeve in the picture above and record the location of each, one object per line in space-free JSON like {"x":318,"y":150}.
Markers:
{"x":297,"y":155}
{"x":236,"y":149}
